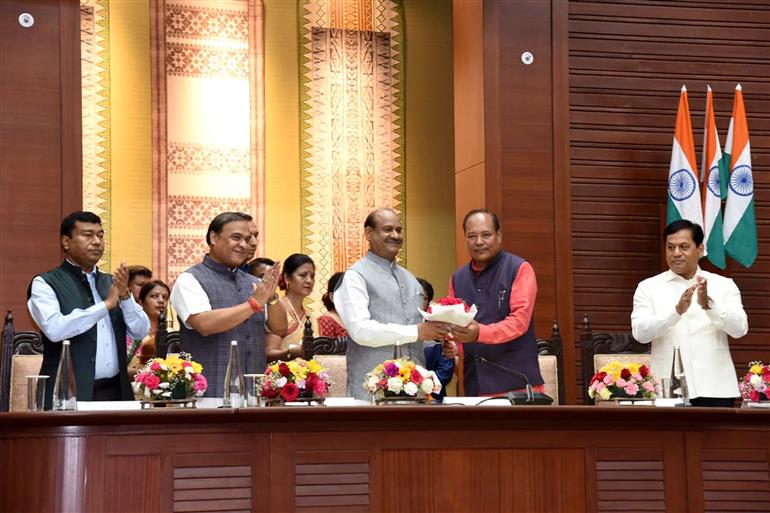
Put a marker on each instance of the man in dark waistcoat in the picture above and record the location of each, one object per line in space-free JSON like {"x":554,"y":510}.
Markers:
{"x":94,"y":310}
{"x":217,"y":302}
{"x":501,"y":339}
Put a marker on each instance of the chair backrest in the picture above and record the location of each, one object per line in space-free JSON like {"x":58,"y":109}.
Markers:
{"x":25,"y":356}
{"x":330,"y":352}
{"x":174,"y":343}
{"x":551,"y":361}
{"x":610,"y":344}
{"x":549,"y":369}
{"x":23,"y":365}
{"x":6,"y":352}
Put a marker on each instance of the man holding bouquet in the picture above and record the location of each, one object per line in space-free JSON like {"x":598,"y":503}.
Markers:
{"x":500,"y":343}
{"x":379,"y":303}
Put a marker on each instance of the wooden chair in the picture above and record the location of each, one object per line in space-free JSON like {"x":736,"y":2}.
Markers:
{"x":165,"y":341}
{"x":330,"y":352}
{"x":22,"y":356}
{"x":551,"y":361}
{"x":597,"y":349}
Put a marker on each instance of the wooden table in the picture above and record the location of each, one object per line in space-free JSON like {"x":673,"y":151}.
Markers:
{"x":393,"y":458}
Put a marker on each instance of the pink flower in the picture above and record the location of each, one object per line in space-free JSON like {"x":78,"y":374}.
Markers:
{"x":621,"y":383}
{"x":637,"y":377}
{"x":631,"y":389}
{"x":608,"y":380}
{"x":600,"y":386}
{"x":155,"y":367}
{"x":200,"y":385}
{"x":649,"y":387}
{"x":151,"y":381}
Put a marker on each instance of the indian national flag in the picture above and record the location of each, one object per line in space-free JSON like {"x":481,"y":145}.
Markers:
{"x":683,"y":191}
{"x":740,"y":226}
{"x":712,"y":197}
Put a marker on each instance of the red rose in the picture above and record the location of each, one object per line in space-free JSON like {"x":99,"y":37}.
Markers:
{"x":754,"y":395}
{"x":416,"y":377}
{"x":283,"y":369}
{"x":429,"y":310}
{"x":644,"y":371}
{"x":310,"y":381}
{"x":625,"y":374}
{"x":290,"y":392}
{"x":319,"y":387}
{"x":268,"y":391}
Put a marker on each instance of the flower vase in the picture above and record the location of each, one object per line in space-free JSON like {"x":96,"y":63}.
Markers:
{"x":179,"y":391}
{"x":401,"y":399}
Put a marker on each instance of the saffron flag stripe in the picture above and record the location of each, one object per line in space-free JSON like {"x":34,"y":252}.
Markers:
{"x":711,"y":188}
{"x":683,"y":191}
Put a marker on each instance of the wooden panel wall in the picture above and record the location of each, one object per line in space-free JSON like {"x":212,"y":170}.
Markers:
{"x":40,"y":162}
{"x":627,"y":61}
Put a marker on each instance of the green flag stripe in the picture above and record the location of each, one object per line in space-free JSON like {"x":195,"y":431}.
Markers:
{"x":742,"y":245}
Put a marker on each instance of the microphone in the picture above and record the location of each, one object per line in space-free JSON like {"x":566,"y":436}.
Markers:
{"x":529,"y":397}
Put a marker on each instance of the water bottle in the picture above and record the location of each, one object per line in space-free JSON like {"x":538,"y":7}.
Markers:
{"x":64,"y":394}
{"x":234,"y":385}
{"x":678,"y":379}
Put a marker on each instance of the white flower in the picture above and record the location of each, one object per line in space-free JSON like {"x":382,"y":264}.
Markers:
{"x":427,"y":386}
{"x":135,"y":385}
{"x":755,"y":380}
{"x":425,"y":373}
{"x":371,"y":383}
{"x":166,"y":394}
{"x":280,"y":382}
{"x":395,"y":385}
{"x":410,"y":388}
{"x":165,"y":384}
{"x":147,"y":393}
{"x":164,"y":366}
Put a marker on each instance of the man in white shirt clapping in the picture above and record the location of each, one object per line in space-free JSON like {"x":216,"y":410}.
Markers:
{"x":695,"y":310}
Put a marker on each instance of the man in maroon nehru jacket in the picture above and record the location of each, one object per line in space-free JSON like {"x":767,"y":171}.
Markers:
{"x":500,"y":343}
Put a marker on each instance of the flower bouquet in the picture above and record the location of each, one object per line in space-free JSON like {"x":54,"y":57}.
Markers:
{"x":169,"y":380}
{"x":296,"y":380}
{"x":755,"y":385}
{"x":401,"y":380}
{"x":450,"y":309}
{"x":623,"y":381}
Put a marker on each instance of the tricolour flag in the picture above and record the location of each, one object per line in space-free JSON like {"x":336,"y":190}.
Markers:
{"x":740,"y":226}
{"x":712,"y":196}
{"x":683,"y":191}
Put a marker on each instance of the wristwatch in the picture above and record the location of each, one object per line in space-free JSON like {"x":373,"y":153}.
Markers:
{"x":273,"y":300}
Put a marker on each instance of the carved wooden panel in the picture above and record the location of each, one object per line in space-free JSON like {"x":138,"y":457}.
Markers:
{"x":735,"y":479}
{"x":332,"y":480}
{"x":630,"y":480}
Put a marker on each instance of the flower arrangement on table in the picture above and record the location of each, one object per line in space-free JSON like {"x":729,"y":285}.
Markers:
{"x":166,"y":379}
{"x":401,"y":378}
{"x":628,"y":381}
{"x":755,"y":384}
{"x":295,"y":379}
{"x":450,"y":309}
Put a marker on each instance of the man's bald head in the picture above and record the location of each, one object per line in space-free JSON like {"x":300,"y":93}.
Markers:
{"x":376,"y":215}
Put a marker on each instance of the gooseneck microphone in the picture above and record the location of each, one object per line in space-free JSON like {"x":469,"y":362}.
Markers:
{"x":531,"y":397}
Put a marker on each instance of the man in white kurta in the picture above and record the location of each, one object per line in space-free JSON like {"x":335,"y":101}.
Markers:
{"x":695,"y":310}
